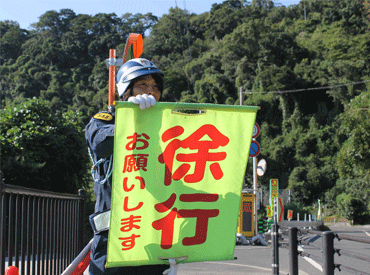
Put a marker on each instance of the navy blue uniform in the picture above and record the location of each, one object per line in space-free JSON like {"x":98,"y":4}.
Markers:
{"x":99,"y":135}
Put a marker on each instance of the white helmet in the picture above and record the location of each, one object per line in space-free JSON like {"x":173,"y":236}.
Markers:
{"x":135,"y":68}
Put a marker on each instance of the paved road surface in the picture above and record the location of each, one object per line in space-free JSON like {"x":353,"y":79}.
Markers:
{"x":257,"y":260}
{"x":251,"y":260}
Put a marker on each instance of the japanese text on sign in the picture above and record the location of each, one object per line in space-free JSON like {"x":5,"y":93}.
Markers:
{"x":200,"y":159}
{"x":133,"y":162}
{"x":204,"y":139}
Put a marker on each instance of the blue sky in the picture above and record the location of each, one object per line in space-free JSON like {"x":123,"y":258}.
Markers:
{"x":26,"y":12}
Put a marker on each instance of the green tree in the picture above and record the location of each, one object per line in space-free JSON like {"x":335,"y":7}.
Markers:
{"x":350,"y":207}
{"x":168,"y":36}
{"x":43,"y":150}
{"x":58,"y":23}
{"x":138,"y":23}
{"x":354,"y":155}
{"x":223,"y":18}
{"x":11,"y":39}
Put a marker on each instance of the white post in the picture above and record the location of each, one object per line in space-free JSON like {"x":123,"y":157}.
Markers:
{"x":241,"y":98}
{"x":255,"y":193}
{"x":276,"y":209}
{"x":305,"y":219}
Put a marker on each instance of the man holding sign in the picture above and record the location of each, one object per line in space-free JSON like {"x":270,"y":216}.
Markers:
{"x":173,"y":191}
{"x":138,"y":81}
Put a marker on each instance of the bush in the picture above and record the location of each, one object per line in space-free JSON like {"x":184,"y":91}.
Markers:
{"x":42,"y":149}
{"x":350,"y":207}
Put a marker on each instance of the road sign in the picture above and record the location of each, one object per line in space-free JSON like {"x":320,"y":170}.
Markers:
{"x":290,"y":215}
{"x":246,"y":215}
{"x":268,"y":211}
{"x":274,"y":192}
{"x":281,"y":210}
{"x":256,"y":130}
{"x":255,"y":149}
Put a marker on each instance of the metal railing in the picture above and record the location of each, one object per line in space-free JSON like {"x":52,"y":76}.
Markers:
{"x":41,"y":232}
{"x":328,"y":250}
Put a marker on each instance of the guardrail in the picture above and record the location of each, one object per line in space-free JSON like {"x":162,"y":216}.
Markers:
{"x":41,"y":232}
{"x":328,"y":250}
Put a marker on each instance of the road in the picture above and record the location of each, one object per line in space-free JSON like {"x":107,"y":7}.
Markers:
{"x":254,"y":259}
{"x":251,"y":260}
{"x":257,"y":260}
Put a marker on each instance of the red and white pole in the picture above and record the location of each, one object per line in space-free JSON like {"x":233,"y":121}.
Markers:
{"x":112,"y":80}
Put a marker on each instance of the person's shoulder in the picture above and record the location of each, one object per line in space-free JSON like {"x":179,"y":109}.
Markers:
{"x":100,"y":127}
{"x":104,"y":116}
{"x":100,"y":119}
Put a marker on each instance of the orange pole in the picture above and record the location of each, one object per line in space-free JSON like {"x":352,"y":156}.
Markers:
{"x":112,"y":79}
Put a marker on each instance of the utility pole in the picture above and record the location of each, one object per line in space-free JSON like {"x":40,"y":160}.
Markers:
{"x":255,"y":191}
{"x":241,"y":99}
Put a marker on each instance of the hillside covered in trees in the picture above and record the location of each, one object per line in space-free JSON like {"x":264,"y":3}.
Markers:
{"x":307,"y":66}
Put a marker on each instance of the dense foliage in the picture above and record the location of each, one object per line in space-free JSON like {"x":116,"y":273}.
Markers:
{"x":42,"y":150}
{"x":307,"y":66}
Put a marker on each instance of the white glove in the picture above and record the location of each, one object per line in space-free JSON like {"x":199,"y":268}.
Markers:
{"x":144,"y":100}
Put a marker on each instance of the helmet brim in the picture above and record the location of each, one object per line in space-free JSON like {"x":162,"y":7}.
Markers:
{"x":139,"y":73}
{"x":126,"y":81}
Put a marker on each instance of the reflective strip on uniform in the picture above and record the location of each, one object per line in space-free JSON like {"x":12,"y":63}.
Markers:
{"x":102,"y":221}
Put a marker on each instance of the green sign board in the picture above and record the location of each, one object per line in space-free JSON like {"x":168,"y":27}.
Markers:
{"x":177,"y":181}
{"x":274,"y":193}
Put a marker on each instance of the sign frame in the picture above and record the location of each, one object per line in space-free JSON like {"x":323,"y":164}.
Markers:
{"x":139,"y":210}
{"x":256,"y":129}
{"x":254,"y":152}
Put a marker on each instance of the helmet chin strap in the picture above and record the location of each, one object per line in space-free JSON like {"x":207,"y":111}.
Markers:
{"x":126,"y":95}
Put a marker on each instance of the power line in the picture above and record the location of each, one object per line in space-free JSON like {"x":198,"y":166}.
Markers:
{"x":308,"y":89}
